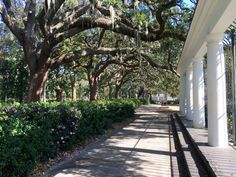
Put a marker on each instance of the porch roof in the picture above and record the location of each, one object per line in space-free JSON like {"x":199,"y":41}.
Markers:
{"x":211,"y":17}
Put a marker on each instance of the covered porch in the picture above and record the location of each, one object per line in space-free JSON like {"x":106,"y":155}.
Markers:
{"x":205,"y":39}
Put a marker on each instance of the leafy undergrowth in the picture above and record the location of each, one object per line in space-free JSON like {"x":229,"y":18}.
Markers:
{"x":34,"y":133}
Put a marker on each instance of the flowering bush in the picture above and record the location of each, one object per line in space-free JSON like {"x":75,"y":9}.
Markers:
{"x":34,"y":133}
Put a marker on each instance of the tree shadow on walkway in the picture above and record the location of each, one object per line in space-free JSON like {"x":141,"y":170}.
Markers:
{"x":127,"y":152}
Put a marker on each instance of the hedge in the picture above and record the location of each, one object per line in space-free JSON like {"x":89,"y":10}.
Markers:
{"x":34,"y":133}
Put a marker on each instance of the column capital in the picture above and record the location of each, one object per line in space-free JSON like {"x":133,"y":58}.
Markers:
{"x":198,"y":59}
{"x":190,"y":67}
{"x":215,"y":37}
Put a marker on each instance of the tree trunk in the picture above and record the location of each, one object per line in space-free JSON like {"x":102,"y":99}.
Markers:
{"x":150,"y":98}
{"x":44,"y":93}
{"x":93,"y":91}
{"x":39,"y":67}
{"x":117,"y":91}
{"x":93,"y":88}
{"x":58,"y":91}
{"x":36,"y":85}
{"x":110,"y":90}
{"x":141,"y":92}
{"x":74,"y":91}
{"x":129,"y":94}
{"x":73,"y":86}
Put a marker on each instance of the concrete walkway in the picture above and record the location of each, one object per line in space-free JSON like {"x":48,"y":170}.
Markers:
{"x":144,"y":148}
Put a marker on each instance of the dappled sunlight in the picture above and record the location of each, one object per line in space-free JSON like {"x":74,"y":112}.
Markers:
{"x":157,"y":110}
{"x":147,"y":113}
{"x":140,"y":149}
{"x":221,"y":160}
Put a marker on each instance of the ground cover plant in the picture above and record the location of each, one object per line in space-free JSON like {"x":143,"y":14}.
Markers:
{"x":33,"y":133}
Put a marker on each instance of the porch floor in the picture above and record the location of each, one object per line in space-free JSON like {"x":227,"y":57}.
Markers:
{"x":221,"y":160}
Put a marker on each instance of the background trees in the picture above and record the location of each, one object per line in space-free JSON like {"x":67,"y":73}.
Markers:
{"x":13,"y":69}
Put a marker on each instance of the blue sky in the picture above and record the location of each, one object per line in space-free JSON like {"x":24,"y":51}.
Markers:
{"x":188,"y":2}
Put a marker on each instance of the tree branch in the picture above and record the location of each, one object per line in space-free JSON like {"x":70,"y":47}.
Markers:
{"x":76,"y":55}
{"x":76,"y":23}
{"x":101,"y":37}
{"x":155,"y":65}
{"x":11,"y":22}
{"x":88,"y":22}
{"x":105,"y":64}
{"x":30,"y":23}
{"x":47,"y":14}
{"x":60,"y":25}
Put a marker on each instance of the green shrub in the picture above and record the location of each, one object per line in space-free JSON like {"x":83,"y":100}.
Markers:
{"x":33,"y":133}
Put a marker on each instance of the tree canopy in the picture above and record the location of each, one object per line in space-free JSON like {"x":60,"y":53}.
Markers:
{"x":75,"y":33}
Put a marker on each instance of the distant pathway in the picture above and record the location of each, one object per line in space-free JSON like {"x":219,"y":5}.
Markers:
{"x":144,"y":148}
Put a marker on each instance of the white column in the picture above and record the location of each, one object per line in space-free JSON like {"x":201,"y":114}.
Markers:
{"x":189,"y":93}
{"x":198,"y":95}
{"x":216,"y":92}
{"x":182,"y":91}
